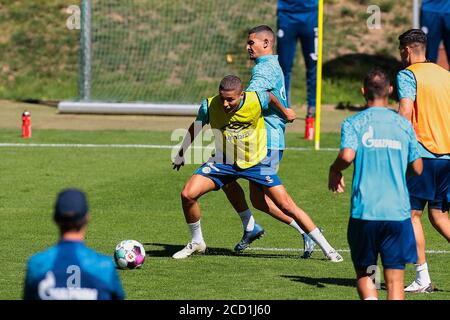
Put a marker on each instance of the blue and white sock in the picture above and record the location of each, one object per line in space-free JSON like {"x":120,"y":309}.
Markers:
{"x":248,"y":222}
{"x":295,"y":225}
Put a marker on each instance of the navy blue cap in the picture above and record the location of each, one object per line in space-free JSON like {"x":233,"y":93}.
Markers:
{"x":71,"y":205}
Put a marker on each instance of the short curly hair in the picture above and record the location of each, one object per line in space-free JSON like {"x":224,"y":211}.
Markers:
{"x":413,"y":37}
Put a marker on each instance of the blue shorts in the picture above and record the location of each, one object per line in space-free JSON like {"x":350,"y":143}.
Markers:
{"x":273,"y":158}
{"x":223,"y":174}
{"x":432,"y":186}
{"x":393,"y":240}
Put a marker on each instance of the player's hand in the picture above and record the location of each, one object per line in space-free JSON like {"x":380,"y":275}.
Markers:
{"x":336,"y":181}
{"x":178,"y":162}
{"x":289,"y":115}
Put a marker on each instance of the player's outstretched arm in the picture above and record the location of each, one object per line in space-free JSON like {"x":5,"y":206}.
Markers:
{"x":287,"y":113}
{"x":343,"y":161}
{"x":194,"y":129}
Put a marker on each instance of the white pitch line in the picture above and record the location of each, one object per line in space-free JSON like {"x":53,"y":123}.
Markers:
{"x":311,"y":149}
{"x":156,"y":146}
{"x":339,"y":250}
{"x":135,"y":146}
{"x":74,"y":145}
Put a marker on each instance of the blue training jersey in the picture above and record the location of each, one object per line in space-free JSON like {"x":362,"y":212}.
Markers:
{"x":268,"y":76}
{"x":297,"y":6}
{"x":72,"y":271}
{"x":385,"y":144}
{"x":439,"y":6}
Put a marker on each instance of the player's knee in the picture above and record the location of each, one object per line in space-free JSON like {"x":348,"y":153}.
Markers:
{"x":441,"y":222}
{"x":187,"y":196}
{"x":416,"y":215}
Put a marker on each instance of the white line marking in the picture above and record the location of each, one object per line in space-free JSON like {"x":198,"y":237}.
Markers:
{"x":136,"y":146}
{"x":156,"y":146}
{"x":311,"y":149}
{"x":66,"y":145}
{"x":339,"y":250}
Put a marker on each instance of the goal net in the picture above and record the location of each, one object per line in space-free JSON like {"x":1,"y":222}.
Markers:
{"x":162,"y":56}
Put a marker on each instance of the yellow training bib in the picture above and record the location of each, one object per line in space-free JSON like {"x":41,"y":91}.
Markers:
{"x":240,"y":136}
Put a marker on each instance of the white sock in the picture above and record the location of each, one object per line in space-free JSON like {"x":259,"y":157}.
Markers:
{"x":196,"y":231}
{"x":318,"y":238}
{"x":248,"y":222}
{"x":422,"y":275}
{"x":371,"y":298}
{"x":295,"y":225}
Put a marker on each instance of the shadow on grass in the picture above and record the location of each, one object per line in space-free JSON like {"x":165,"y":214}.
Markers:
{"x":167,"y":250}
{"x":322,"y":282}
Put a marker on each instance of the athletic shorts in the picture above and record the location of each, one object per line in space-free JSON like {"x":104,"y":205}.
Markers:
{"x":394,"y":241}
{"x":273,"y":158}
{"x":223,"y":174}
{"x":432,"y":186}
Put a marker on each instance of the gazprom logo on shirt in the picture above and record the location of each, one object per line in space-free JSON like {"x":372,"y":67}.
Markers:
{"x":48,"y":291}
{"x":369,"y":142}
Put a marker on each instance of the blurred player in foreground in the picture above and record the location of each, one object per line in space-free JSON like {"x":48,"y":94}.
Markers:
{"x":70,"y":270}
{"x":383,"y":147}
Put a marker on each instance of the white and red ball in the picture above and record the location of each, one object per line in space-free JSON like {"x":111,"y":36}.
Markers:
{"x":129,"y":254}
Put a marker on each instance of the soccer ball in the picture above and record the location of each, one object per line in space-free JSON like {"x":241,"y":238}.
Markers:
{"x":129,"y":254}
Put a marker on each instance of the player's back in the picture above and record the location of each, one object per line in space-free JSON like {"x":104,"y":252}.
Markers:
{"x":431,"y":116}
{"x":385,"y":144}
{"x":71,"y":271}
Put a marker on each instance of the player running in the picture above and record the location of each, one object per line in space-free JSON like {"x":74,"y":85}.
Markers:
{"x":236,"y":118}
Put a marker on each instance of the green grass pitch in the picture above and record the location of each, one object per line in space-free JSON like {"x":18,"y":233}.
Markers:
{"x":135,"y":194}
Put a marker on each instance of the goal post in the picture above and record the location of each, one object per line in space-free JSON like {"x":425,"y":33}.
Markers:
{"x":85,"y":52}
{"x":319,"y":76}
{"x":161,"y":56}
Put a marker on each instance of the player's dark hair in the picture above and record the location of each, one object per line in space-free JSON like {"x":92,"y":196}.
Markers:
{"x":66,"y":226}
{"x":376,"y":84}
{"x":231,"y":83}
{"x":262,"y":28}
{"x":413,"y":37}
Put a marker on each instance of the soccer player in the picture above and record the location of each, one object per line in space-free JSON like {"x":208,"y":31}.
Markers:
{"x":70,"y":270}
{"x":435,"y":22}
{"x":236,"y":118}
{"x":297,"y":20}
{"x":424,"y":93}
{"x":266,"y":76}
{"x":381,"y":144}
